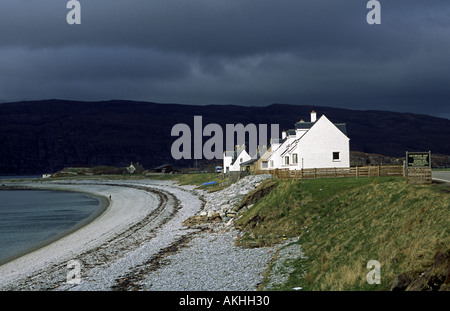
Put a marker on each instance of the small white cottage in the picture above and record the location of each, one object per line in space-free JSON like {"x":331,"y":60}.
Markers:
{"x":232,"y":160}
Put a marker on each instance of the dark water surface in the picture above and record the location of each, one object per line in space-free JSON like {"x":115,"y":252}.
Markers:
{"x":31,"y":217}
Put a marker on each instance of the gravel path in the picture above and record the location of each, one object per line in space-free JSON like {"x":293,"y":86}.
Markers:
{"x":211,"y":262}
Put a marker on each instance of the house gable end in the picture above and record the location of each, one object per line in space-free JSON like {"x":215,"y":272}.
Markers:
{"x":322,"y":122}
{"x":243,"y":154}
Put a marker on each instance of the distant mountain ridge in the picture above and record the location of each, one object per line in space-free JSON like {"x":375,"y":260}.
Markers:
{"x":48,"y":135}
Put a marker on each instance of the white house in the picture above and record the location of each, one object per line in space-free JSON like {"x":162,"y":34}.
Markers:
{"x":315,"y":144}
{"x":232,"y":159}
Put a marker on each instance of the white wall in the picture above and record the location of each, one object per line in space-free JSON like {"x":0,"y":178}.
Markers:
{"x":276,"y":155}
{"x":300,"y":132}
{"x":227,"y":163}
{"x":234,"y":165}
{"x":317,"y":146}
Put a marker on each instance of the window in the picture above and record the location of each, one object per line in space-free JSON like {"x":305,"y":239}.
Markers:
{"x":241,"y":159}
{"x":286,"y":160}
{"x":294,"y":158}
{"x":264,"y":164}
{"x":336,"y":156}
{"x":271,"y":163}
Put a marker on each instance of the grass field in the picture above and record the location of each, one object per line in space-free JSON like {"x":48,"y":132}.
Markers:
{"x":344,"y":223}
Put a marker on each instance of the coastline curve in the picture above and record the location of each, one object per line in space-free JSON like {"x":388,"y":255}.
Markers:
{"x":108,"y":234}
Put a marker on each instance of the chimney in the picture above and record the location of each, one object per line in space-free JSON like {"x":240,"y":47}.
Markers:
{"x":313,"y":116}
{"x":264,"y":149}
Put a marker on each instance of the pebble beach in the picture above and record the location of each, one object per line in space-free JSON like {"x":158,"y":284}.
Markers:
{"x":139,"y":242}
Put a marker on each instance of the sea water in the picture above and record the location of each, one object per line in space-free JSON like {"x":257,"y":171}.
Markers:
{"x":31,"y":217}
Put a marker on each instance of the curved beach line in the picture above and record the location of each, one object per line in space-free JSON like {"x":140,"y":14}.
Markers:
{"x":103,"y":204}
{"x":127,"y":207}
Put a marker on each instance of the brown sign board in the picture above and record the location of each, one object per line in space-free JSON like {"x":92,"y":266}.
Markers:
{"x":418,"y":159}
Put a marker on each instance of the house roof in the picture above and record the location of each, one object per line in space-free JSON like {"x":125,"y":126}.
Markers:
{"x":304,"y":125}
{"x":251,"y":161}
{"x":278,"y":140}
{"x":307,"y":125}
{"x":266,"y":154}
{"x":290,"y":132}
{"x":342,"y":127}
{"x":290,"y":147}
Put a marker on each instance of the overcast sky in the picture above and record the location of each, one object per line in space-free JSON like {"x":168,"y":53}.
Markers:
{"x":243,"y":52}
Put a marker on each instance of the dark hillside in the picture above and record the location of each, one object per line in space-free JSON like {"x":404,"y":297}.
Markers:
{"x":45,"y":136}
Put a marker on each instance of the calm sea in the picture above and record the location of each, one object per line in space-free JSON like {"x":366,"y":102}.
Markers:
{"x":31,"y":217}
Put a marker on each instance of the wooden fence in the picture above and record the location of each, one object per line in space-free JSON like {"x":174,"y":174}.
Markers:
{"x":418,"y":175}
{"x":364,"y":171}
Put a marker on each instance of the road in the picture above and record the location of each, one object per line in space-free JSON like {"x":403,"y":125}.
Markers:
{"x":441,"y":176}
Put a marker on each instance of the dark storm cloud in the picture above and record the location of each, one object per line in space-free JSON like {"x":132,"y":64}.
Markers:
{"x":92,"y":64}
{"x":248,"y":52}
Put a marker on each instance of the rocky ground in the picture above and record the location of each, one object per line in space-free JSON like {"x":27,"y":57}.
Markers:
{"x":212,"y":261}
{"x":225,"y":204}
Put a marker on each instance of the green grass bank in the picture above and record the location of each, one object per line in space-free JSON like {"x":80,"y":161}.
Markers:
{"x":342,"y":224}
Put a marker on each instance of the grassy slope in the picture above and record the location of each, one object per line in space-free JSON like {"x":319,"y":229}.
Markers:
{"x":344,"y":223}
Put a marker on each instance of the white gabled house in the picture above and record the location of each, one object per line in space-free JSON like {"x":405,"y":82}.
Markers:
{"x":232,"y":159}
{"x":316,"y":144}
